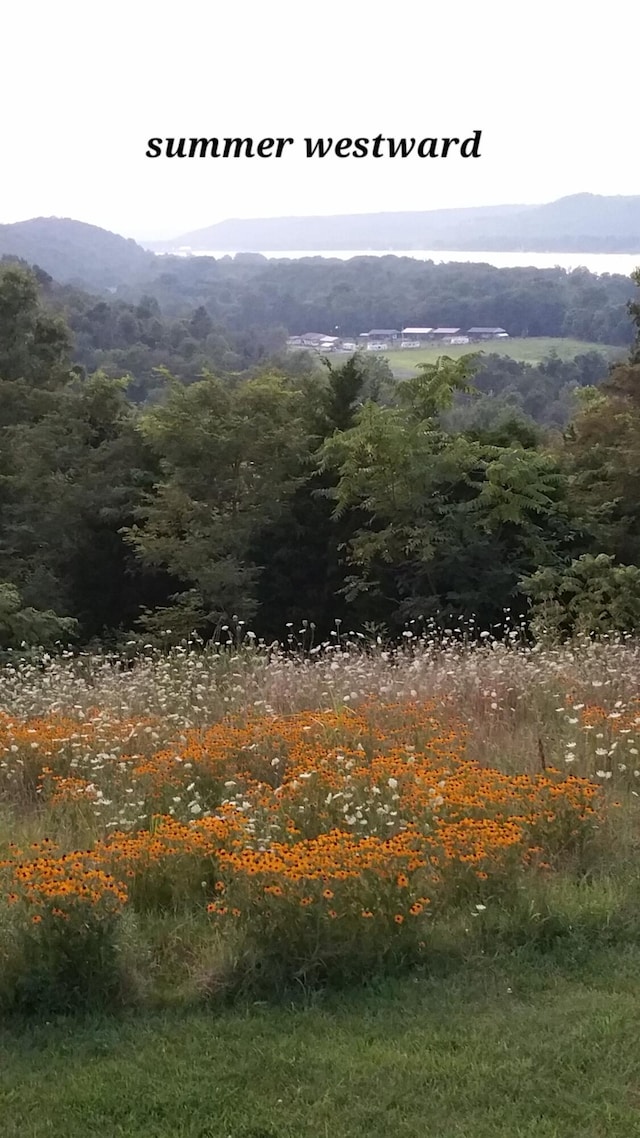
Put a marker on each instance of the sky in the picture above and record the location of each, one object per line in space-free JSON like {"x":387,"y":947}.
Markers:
{"x":551,"y":85}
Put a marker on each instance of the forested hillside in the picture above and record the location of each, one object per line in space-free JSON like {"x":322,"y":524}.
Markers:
{"x":292,"y":491}
{"x":76,"y":252}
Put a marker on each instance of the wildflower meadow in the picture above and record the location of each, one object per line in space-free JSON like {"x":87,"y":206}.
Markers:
{"x":210,"y":821}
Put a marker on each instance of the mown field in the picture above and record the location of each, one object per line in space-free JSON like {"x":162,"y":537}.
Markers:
{"x":374,"y":892}
{"x":529,"y":350}
{"x":514,"y":1049}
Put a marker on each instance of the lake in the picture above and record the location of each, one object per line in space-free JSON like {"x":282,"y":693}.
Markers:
{"x":623,"y":263}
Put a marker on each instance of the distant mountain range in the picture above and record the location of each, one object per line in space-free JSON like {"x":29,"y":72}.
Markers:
{"x":76,"y":253}
{"x":584,"y":223}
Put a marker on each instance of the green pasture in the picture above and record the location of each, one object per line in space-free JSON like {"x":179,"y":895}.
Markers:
{"x":530,"y":350}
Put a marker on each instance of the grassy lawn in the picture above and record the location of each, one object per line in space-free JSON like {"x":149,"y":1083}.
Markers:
{"x":525,"y":1048}
{"x":531,"y":350}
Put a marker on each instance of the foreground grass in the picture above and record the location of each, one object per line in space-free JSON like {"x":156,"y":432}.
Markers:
{"x":531,"y":350}
{"x":542,"y":1046}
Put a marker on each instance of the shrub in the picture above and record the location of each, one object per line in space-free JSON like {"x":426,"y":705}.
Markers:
{"x":590,"y":596}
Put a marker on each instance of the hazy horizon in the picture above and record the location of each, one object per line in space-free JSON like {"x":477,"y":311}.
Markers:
{"x":276,"y":217}
{"x":552,"y":94}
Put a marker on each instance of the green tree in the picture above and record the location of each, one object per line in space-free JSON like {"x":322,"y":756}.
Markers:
{"x":24,"y":627}
{"x":77,"y":475}
{"x":35,"y":346}
{"x":303,"y":550}
{"x":229,"y":456}
{"x":634,"y":312}
{"x":602,"y":457}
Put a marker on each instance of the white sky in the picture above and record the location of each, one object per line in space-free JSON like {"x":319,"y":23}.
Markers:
{"x":551,"y":84}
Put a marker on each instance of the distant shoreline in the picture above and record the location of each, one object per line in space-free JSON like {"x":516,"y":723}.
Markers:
{"x":618,"y":263}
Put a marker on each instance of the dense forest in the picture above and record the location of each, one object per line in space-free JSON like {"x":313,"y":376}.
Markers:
{"x":394,"y":292}
{"x":292,"y":492}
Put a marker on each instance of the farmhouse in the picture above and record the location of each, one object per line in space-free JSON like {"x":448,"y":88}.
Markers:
{"x":414,"y":337}
{"x":315,"y":339}
{"x":487,"y":334}
{"x":379,"y":339}
{"x":318,"y":340}
{"x":445,"y":334}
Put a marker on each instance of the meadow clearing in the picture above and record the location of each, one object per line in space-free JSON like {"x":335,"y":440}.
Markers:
{"x":392,"y":880}
{"x":531,"y":349}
